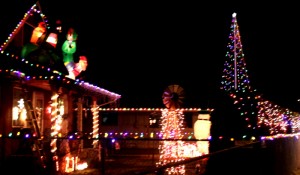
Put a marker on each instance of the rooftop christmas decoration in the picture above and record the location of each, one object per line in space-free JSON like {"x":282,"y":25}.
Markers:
{"x":38,"y":61}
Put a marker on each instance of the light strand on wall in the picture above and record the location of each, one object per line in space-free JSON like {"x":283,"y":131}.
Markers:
{"x":95,"y":125}
{"x":153,"y":109}
{"x":57,"y":111}
{"x":53,"y":120}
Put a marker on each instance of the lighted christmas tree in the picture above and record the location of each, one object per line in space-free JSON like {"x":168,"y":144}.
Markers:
{"x":235,"y":82}
{"x":258,"y":116}
{"x":172,"y":151}
{"x":171,"y":148}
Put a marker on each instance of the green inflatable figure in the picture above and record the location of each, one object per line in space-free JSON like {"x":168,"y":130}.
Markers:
{"x":69,"y":48}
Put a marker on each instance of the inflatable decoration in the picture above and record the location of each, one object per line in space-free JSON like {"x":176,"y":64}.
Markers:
{"x":41,"y":48}
{"x":69,"y":48}
{"x":52,"y":39}
{"x":38,"y":34}
{"x":79,"y":67}
{"x":37,"y":37}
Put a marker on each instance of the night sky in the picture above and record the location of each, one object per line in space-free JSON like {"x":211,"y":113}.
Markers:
{"x":138,"y":49}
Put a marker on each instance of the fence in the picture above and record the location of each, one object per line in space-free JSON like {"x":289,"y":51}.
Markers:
{"x":279,"y":156}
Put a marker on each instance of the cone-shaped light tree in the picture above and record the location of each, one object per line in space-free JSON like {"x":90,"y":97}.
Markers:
{"x":235,"y":82}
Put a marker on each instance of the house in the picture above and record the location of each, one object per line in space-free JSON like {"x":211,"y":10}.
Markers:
{"x":48,"y":112}
{"x":141,"y":123}
{"x":42,"y":102}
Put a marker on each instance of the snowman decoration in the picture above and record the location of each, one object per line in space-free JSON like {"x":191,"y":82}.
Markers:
{"x":202,"y":132}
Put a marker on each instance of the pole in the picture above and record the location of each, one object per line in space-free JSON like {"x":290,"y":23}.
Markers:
{"x":234,"y":50}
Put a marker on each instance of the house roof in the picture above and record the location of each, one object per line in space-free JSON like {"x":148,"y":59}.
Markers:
{"x":37,"y":74}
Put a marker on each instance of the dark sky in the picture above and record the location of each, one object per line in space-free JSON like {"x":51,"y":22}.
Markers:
{"x":137,"y":49}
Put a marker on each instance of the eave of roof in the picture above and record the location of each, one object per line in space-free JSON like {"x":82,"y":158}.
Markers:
{"x":11,"y":64}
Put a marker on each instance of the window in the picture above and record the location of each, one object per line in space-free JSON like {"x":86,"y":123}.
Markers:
{"x":109,"y":118}
{"x":154,"y":119}
{"x":19,"y":113}
{"x":188,"y":120}
{"x":38,"y":105}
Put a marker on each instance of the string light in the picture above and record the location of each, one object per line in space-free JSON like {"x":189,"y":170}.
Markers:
{"x":95,"y":125}
{"x":172,"y":151}
{"x":260,"y":115}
